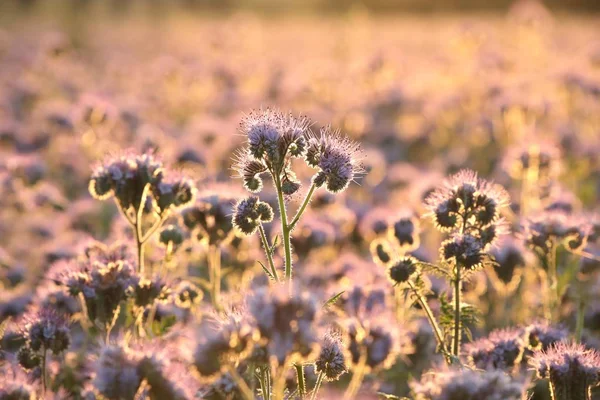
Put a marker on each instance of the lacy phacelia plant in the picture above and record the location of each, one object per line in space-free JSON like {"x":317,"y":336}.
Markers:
{"x":144,"y":192}
{"x":44,"y":331}
{"x":273,"y":140}
{"x":209,"y":222}
{"x":469,"y":209}
{"x":571,"y":368}
{"x":545,"y":233}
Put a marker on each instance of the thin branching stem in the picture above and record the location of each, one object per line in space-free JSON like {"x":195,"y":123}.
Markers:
{"x":301,"y":380}
{"x":302,"y":208}
{"x":432,"y":321}
{"x":285,"y":232}
{"x":269,"y":254}
{"x":317,"y":386}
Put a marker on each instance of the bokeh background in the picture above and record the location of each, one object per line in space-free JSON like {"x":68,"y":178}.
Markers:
{"x":426,"y":86}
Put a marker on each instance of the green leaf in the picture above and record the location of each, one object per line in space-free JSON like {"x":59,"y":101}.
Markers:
{"x":390,"y":396}
{"x":269,"y":274}
{"x":333,"y":299}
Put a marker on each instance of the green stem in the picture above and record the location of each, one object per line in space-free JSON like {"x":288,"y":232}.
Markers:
{"x":138,"y":230}
{"x":456,"y":337}
{"x":285,"y":232}
{"x":302,"y":208}
{"x":301,"y":380}
{"x":267,"y":248}
{"x":432,"y":321}
{"x":264,"y":385}
{"x":317,"y":386}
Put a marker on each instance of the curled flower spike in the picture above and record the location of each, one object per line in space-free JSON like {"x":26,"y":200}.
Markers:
{"x":273,"y":137}
{"x":331,"y":361}
{"x":381,"y":251}
{"x":571,"y":368}
{"x":502,"y":349}
{"x":402,"y":269}
{"x":125,"y":178}
{"x":549,"y":228}
{"x":249,"y":213}
{"x":466,"y":201}
{"x":46,"y":329}
{"x":209,"y":218}
{"x":336,"y":157}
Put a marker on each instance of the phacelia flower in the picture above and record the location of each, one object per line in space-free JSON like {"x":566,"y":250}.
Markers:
{"x":404,"y":231}
{"x":551,"y":228}
{"x":467,"y":384}
{"x":464,"y":250}
{"x":209,"y":218}
{"x":336,"y":157}
{"x":502,"y":349}
{"x":222,"y":343}
{"x":571,"y":368}
{"x":286,"y":325}
{"x":466,"y":201}
{"x":402,"y":269}
{"x":331,"y":360}
{"x":249,"y":213}
{"x":148,"y":291}
{"x":117,"y":373}
{"x":273,"y":136}
{"x":46,"y":329}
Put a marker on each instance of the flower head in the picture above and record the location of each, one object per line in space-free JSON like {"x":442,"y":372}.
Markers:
{"x":571,"y":368}
{"x":46,"y":329}
{"x":249,"y":213}
{"x":465,"y":384}
{"x":402,"y":269}
{"x":273,"y":135}
{"x":209,"y":218}
{"x":466,"y":200}
{"x":502,"y":349}
{"x":336,"y":157}
{"x":286,"y":324}
{"x":222,"y":342}
{"x":331,"y":360}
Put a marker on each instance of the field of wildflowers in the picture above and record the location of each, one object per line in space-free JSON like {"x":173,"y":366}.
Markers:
{"x":342,"y":207}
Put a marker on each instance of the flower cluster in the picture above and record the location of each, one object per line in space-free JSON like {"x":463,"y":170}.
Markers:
{"x":331,"y":361}
{"x":466,"y":384}
{"x":222,"y":344}
{"x":44,"y":330}
{"x":546,"y":230}
{"x":103,"y":286}
{"x":286,"y":325}
{"x":209,"y":218}
{"x":337,"y":158}
{"x":501,"y":349}
{"x":250,"y":213}
{"x":571,"y":368}
{"x":469,"y":208}
{"x":273,"y":138}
